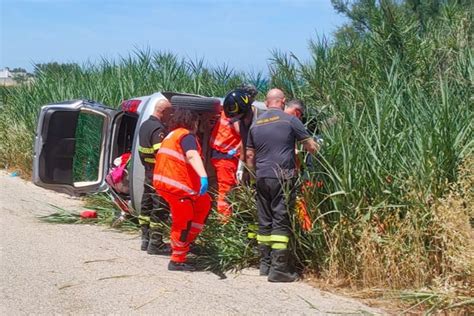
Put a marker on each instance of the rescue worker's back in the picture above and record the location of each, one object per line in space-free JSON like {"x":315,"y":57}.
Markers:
{"x":274,"y":137}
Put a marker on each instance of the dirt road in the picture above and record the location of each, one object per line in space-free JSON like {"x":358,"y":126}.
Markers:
{"x":84,"y":269}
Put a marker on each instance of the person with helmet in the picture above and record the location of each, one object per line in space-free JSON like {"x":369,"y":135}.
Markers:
{"x":238,"y":106}
{"x":153,"y":208}
{"x":271,"y":149}
{"x":225,"y":150}
{"x":225,"y":143}
{"x":181,"y":179}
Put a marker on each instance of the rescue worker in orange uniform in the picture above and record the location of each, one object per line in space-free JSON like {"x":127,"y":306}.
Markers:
{"x":181,"y":179}
{"x":245,"y":114}
{"x":238,"y":107}
{"x":226,"y":144}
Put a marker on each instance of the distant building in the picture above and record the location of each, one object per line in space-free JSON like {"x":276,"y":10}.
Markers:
{"x":7,"y":77}
{"x":5,"y":73}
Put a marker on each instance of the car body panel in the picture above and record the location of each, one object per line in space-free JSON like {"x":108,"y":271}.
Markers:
{"x":54,"y":146}
{"x":108,"y":152}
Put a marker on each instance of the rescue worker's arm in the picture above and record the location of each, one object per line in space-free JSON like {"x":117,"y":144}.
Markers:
{"x":194,"y":159}
{"x":250,"y":158}
{"x":236,"y":126}
{"x":241,"y":145}
{"x":190,"y":147}
{"x":303,"y":136}
{"x":239,"y":174}
{"x":310,"y":145}
{"x":250,"y":152}
{"x":242,"y":152}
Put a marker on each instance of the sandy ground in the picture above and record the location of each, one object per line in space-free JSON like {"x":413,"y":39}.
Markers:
{"x":84,"y":269}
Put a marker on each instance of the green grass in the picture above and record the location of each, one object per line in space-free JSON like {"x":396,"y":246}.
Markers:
{"x":88,"y":143}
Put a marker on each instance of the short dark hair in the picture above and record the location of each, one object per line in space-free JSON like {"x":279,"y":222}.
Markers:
{"x":296,"y":102}
{"x":183,"y":118}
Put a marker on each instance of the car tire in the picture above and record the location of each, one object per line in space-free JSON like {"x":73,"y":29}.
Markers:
{"x":197,"y":104}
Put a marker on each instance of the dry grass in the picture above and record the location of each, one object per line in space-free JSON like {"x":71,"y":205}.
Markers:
{"x":395,"y":279}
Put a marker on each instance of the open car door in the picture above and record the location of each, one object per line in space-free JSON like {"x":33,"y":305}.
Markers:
{"x":72,"y":146}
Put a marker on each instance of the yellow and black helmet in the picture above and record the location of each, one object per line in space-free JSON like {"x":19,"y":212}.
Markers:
{"x":238,"y":101}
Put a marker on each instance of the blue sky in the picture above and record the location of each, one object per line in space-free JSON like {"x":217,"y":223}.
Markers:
{"x":239,"y":33}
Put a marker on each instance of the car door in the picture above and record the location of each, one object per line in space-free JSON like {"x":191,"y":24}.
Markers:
{"x":72,"y":146}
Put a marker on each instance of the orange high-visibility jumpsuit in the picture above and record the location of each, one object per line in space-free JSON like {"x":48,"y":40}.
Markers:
{"x":177,"y":182}
{"x":225,"y":142}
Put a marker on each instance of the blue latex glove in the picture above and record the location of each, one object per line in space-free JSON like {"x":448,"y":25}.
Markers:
{"x":232,"y":152}
{"x":204,"y":186}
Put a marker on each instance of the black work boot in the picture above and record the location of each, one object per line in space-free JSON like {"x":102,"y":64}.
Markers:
{"x":279,"y":270}
{"x":145,"y":236}
{"x":157,"y":246}
{"x":180,"y":266}
{"x":265,"y":258}
{"x":196,"y":249}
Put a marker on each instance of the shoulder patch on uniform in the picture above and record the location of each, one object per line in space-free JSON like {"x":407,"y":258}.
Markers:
{"x":268,"y":120}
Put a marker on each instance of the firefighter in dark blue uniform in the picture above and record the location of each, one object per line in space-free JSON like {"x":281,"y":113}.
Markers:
{"x":271,"y":149}
{"x":154,"y":209}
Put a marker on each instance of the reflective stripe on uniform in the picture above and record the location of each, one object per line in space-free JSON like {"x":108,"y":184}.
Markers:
{"x":252,"y":227}
{"x":154,"y":225}
{"x":142,"y":220}
{"x":219,"y":144}
{"x":149,"y":160}
{"x":172,"y":153}
{"x":146,"y":150}
{"x":251,"y":235}
{"x":279,"y":245}
{"x":279,"y":238}
{"x":197,"y":225}
{"x":178,"y":243}
{"x":263,"y":238}
{"x":179,"y":252}
{"x":156,"y":146}
{"x":174,"y":183}
{"x":172,"y":172}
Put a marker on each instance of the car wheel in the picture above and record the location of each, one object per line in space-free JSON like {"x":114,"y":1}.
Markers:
{"x":197,"y":104}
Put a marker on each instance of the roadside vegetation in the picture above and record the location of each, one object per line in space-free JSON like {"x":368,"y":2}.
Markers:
{"x":392,"y":95}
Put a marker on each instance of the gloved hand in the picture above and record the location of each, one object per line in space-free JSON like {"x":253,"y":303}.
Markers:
{"x":240,"y":171}
{"x":204,"y":186}
{"x":232,"y":152}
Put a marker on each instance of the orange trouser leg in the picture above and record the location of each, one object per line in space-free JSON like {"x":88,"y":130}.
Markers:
{"x":226,"y":180}
{"x":201,"y":207}
{"x":188,"y":217}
